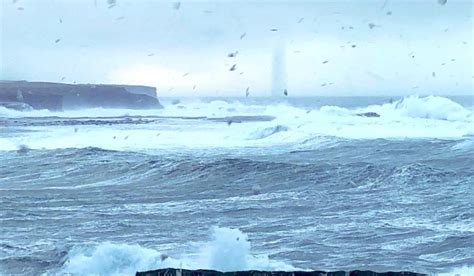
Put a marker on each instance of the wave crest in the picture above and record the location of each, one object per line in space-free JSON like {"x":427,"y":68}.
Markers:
{"x":266,"y":132}
{"x":410,"y":117}
{"x":429,"y":107}
{"x":228,"y":250}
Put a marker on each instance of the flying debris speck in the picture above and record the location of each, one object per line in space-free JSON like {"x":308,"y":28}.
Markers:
{"x":63,"y":78}
{"x":442,"y":2}
{"x":194,"y":87}
{"x":301,"y":20}
{"x":233,"y":67}
{"x":229,"y":122}
{"x":433,"y":74}
{"x":76,"y":130}
{"x":60,"y":20}
{"x":285,"y":92}
{"x":353,"y":45}
{"x":273,"y":30}
{"x":20,"y":8}
{"x":120,"y":18}
{"x":176,"y":5}
{"x":185,"y":74}
{"x":151,"y":54}
{"x":389,"y":13}
{"x":231,"y":55}
{"x":372,"y":25}
{"x":247,"y":93}
{"x":57,"y":40}
{"x":326,"y":61}
{"x":243,"y":35}
{"x":323,"y":84}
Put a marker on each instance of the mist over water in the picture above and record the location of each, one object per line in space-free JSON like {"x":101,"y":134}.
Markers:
{"x":279,"y":76}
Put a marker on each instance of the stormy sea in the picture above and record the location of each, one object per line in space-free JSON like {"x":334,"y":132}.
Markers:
{"x":375,"y":183}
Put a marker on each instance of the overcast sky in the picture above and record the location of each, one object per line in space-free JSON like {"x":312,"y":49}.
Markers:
{"x":359,"y":47}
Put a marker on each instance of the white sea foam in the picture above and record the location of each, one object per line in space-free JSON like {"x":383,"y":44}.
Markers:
{"x":228,"y":250}
{"x":461,"y":271}
{"x":430,"y":107}
{"x":411,"y":117}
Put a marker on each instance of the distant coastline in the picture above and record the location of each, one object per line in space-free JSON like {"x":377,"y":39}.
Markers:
{"x":24,"y":95}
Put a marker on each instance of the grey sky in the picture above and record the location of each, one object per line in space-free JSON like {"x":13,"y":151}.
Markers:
{"x":419,"y":47}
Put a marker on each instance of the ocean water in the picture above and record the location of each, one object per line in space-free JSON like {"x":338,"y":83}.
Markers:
{"x":237,"y":184}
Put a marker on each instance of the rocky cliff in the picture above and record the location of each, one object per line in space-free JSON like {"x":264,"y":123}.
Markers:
{"x":59,"y":96}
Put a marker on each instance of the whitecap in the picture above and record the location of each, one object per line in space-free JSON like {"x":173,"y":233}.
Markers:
{"x":228,"y":250}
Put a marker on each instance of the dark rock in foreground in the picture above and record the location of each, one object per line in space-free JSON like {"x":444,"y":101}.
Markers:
{"x":60,"y":96}
{"x":185,"y":272}
{"x":368,"y":114}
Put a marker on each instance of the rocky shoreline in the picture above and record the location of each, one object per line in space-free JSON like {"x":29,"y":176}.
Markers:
{"x":185,"y":272}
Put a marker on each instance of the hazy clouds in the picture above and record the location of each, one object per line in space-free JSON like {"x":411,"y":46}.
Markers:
{"x":332,"y":47}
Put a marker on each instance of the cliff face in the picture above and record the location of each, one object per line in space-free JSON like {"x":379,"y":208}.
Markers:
{"x":140,"y":89}
{"x":58,"y":96}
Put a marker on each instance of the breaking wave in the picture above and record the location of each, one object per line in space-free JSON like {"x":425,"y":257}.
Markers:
{"x":187,"y":125}
{"x":266,"y":132}
{"x":228,"y":250}
{"x":430,"y":107}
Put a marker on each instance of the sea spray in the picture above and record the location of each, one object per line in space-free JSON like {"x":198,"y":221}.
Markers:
{"x":228,"y":250}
